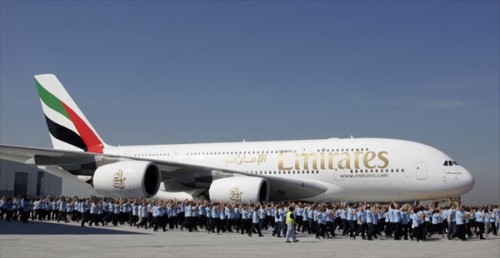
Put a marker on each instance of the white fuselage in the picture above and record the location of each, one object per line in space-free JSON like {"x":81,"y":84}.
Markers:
{"x":364,"y":169}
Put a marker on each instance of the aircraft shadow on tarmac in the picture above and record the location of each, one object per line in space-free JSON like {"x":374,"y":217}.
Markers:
{"x":49,"y":228}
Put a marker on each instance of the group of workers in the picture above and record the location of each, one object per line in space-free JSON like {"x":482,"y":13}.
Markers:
{"x":351,"y":220}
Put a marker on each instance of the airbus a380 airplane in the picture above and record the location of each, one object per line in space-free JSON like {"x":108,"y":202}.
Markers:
{"x":366,"y":169}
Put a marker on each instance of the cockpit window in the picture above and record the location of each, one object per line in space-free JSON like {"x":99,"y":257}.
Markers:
{"x":450,"y":163}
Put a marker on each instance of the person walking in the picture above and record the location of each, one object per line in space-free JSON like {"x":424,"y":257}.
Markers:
{"x":255,"y":222}
{"x":290,"y":223}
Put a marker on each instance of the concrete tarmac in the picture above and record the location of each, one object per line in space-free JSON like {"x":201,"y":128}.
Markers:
{"x":52,"y":239}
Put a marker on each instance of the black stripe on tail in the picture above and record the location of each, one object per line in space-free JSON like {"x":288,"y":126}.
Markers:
{"x":64,"y":134}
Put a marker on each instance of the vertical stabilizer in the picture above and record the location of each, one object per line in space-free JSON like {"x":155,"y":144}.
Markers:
{"x":69,"y":128}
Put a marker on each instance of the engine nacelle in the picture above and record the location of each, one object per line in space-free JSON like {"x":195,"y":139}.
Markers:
{"x":239,"y":189}
{"x":127,"y":179}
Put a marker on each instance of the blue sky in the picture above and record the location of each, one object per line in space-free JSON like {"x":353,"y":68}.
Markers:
{"x":147,"y":72}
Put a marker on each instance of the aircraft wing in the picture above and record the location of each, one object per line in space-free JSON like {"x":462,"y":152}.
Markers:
{"x":66,"y":164}
{"x":75,"y":163}
{"x":175,"y":176}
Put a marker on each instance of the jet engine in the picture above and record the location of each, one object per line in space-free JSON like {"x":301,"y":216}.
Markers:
{"x":239,"y":189}
{"x":127,"y":179}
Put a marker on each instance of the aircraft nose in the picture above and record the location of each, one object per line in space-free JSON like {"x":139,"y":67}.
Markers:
{"x":468,"y":180}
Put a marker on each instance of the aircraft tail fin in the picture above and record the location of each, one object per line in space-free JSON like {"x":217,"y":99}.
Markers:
{"x":68,"y":127}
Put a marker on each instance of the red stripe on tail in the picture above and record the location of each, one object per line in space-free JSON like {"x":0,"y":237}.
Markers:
{"x":89,"y":137}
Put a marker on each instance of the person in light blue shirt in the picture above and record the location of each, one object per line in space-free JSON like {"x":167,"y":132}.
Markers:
{"x":444,"y":218}
{"x":143,"y":214}
{"x":47,"y":209}
{"x":451,"y":221}
{"x":223,"y":217}
{"x":480,"y":222}
{"x":396,"y":221}
{"x":62,"y":209}
{"x":343,"y":217}
{"x":230,"y":216}
{"x":95,"y":209}
{"x":262,"y":217}
{"x":427,"y":222}
{"x":310,"y":215}
{"x":321,"y":222}
{"x":435,"y":225}
{"x":376,"y":215}
{"x":389,"y":227}
{"x":298,"y":211}
{"x":84,"y":211}
{"x":493,"y":218}
{"x":469,"y":216}
{"x":195,"y":215}
{"x":270,"y":215}
{"x":255,"y":221}
{"x":381,"y":213}
{"x":361,"y":227}
{"x":487,"y":219}
{"x":416,"y":221}
{"x":116,"y":213}
{"x":244,"y":226}
{"x":70,"y":210}
{"x":156,"y":216}
{"x":355,"y":221}
{"x":172,"y":214}
{"x":78,"y":215}
{"x":460,"y":224}
{"x":135,"y":214}
{"x":106,"y":212}
{"x":321,"y":216}
{"x":405,"y":221}
{"x":93,"y":212}
{"x":351,"y":221}
{"x":221,"y":227}
{"x":202,"y":214}
{"x":214,"y":218}
{"x":279,"y":221}
{"x":209,"y":216}
{"x":181,"y":212}
{"x":305,"y":221}
{"x":369,"y":222}
{"x":100,"y":213}
{"x":330,"y":222}
{"x":421,"y":222}
{"x":125,"y":212}
{"x":188,"y":216}
{"x":36,"y":208}
{"x":237,"y":217}
{"x":53,"y":209}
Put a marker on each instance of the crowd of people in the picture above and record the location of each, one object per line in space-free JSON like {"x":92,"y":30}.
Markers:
{"x":321,"y":220}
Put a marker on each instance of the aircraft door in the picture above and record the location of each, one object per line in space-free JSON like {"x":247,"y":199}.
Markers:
{"x":421,"y":170}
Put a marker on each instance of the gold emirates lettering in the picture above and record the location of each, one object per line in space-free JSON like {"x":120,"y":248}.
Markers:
{"x":289,"y":160}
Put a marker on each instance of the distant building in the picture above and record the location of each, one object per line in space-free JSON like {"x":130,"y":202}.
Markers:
{"x":19,"y":179}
